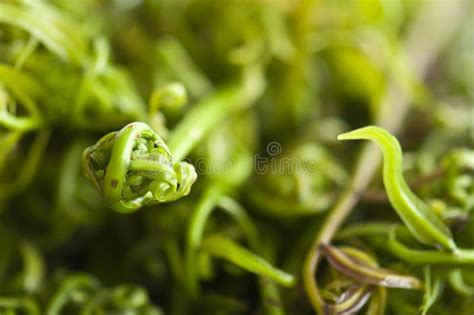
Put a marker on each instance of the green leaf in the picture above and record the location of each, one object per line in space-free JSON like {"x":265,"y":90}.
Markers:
{"x":225,"y":248}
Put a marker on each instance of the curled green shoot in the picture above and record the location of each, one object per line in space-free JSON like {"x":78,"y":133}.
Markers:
{"x":419,"y":218}
{"x":170,"y":97}
{"x":134,"y":167}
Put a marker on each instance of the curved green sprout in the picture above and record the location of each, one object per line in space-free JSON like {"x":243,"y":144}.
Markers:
{"x":134,"y":167}
{"x":422,"y":221}
{"x":18,"y":90}
{"x":171,"y":97}
{"x":458,"y":284}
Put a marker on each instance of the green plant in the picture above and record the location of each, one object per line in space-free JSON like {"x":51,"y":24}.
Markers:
{"x":181,"y":157}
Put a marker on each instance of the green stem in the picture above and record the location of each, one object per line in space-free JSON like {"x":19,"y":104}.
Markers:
{"x":430,"y":257}
{"x":214,"y":196}
{"x":270,"y":293}
{"x":195,"y":233}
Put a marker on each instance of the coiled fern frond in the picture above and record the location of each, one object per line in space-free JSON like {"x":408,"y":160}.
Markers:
{"x":134,"y":167}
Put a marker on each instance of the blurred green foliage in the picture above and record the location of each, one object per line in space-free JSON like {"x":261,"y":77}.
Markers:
{"x":220,"y":81}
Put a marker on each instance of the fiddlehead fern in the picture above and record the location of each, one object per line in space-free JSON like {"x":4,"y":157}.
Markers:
{"x":134,"y":167}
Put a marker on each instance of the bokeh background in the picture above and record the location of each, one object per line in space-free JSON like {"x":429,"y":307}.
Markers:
{"x":72,"y":71}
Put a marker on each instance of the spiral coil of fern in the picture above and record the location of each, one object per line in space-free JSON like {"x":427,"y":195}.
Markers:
{"x":134,"y":167}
